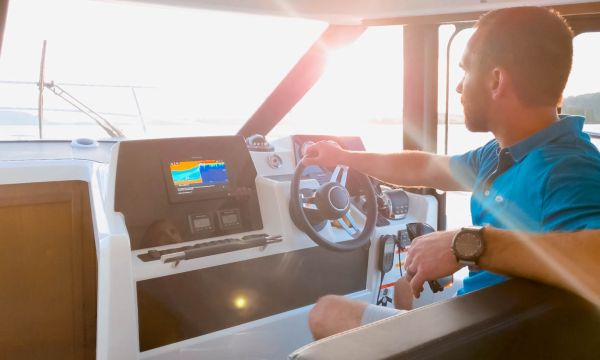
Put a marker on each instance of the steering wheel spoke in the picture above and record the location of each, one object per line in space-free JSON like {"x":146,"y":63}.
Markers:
{"x":352,"y":231}
{"x":310,"y":206}
{"x":308,"y":199}
{"x":348,"y":217}
{"x":340,"y":175}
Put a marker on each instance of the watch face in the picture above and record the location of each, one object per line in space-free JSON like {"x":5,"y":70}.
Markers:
{"x":468,"y":245}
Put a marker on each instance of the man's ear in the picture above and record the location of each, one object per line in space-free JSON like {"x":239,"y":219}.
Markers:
{"x":499,"y":82}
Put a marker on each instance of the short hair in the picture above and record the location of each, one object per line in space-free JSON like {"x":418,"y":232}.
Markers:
{"x":534,"y":44}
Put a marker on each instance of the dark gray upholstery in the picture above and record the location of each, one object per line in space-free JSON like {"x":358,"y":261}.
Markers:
{"x":516,"y":319}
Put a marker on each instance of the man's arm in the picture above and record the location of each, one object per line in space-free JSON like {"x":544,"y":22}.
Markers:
{"x":570,"y":260}
{"x":408,"y":168}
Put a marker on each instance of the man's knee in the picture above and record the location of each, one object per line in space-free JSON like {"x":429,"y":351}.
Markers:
{"x":332,"y":314}
{"x":318,"y":319}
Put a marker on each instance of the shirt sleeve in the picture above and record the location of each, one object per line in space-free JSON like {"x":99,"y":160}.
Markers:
{"x":572,"y":195}
{"x":464,"y":168}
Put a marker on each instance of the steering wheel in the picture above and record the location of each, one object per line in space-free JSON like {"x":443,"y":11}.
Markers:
{"x":311,"y":209}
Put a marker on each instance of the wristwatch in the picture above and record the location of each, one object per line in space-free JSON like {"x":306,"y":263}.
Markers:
{"x":468,"y":245}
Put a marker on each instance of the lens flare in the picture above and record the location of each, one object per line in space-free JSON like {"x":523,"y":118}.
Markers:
{"x":240,"y":302}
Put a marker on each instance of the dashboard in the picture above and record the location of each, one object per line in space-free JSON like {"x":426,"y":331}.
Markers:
{"x":195,"y":241}
{"x":173,"y":191}
{"x":186,"y":201}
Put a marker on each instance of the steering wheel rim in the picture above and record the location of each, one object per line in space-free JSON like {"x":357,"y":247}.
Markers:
{"x":302,"y":222}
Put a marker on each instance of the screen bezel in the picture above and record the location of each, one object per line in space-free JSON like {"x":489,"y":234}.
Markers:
{"x":198,"y":193}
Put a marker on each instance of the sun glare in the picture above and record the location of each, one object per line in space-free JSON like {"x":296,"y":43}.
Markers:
{"x":208,"y":68}
{"x":240,"y":302}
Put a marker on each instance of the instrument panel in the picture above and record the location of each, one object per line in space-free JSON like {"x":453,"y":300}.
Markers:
{"x":176,"y":190}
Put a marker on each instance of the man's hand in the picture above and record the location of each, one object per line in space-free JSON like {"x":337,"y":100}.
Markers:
{"x":430,"y":257}
{"x":325,"y":153}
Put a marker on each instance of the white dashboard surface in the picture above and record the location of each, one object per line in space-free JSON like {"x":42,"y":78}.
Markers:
{"x":119,"y":268}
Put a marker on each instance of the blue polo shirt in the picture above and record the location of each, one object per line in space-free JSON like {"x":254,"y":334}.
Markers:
{"x":549,"y":181}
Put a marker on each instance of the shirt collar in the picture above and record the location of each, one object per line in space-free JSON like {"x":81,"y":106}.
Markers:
{"x":567,"y":124}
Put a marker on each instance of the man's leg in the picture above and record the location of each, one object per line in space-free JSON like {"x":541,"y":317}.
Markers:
{"x":333,"y":314}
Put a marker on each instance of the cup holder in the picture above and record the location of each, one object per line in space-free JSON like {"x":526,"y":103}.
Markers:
{"x":84,"y":143}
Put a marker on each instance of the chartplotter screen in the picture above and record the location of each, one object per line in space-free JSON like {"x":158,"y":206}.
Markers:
{"x":194,"y":174}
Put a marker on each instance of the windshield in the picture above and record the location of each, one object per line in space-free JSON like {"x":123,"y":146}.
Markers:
{"x":360,"y":93}
{"x":150,"y":71}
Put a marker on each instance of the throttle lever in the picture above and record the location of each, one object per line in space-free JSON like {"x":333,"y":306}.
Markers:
{"x":415,"y":230}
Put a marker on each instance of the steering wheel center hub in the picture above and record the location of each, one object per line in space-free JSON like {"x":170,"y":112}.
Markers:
{"x":333,"y":200}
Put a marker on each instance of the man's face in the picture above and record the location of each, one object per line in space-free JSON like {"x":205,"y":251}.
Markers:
{"x":475,"y":98}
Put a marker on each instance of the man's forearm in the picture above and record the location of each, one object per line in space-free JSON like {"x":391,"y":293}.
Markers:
{"x":408,"y":168}
{"x":567,"y":260}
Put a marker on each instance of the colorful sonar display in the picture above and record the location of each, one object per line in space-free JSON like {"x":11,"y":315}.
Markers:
{"x":194,"y":174}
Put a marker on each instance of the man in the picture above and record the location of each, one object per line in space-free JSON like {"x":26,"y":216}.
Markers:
{"x":540,"y":173}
